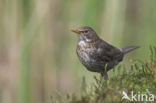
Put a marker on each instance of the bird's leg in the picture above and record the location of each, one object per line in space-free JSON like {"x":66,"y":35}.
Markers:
{"x":104,"y":75}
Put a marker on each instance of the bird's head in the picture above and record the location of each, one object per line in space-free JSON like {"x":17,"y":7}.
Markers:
{"x":86,"y":33}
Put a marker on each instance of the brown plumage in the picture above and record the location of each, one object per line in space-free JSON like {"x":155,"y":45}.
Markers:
{"x":97,"y":55}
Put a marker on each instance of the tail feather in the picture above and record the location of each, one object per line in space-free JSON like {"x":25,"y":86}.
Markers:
{"x":129,"y":48}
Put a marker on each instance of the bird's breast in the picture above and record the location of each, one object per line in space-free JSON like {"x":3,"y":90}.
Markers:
{"x":85,"y":52}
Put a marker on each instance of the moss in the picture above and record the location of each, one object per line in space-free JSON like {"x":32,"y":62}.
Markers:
{"x":141,"y":78}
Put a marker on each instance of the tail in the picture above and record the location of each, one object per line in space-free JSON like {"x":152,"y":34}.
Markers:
{"x":129,"y":48}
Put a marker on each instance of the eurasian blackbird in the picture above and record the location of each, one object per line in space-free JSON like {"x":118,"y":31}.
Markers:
{"x":96,"y":54}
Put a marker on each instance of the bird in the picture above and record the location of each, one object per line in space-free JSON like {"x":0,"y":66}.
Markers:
{"x":96,"y":54}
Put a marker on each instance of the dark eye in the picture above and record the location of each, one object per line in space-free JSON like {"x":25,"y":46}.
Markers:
{"x":86,"y":31}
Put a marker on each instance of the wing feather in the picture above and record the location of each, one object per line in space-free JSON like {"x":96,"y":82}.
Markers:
{"x":109,"y":53}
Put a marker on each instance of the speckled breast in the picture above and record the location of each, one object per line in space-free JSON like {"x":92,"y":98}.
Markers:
{"x":86,"y":55}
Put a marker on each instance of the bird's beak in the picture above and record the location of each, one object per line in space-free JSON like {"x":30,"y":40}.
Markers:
{"x":75,"y":31}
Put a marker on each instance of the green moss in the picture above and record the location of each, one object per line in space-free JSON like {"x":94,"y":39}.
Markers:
{"x":139,"y":79}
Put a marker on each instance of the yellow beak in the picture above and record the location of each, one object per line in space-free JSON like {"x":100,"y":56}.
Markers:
{"x":75,"y":31}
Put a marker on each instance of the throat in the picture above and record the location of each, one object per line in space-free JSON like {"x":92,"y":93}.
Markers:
{"x":82,"y":43}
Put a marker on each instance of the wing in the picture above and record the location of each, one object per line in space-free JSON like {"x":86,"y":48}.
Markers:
{"x":109,"y":53}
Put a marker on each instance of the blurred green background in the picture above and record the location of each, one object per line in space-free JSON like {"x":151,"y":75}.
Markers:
{"x":37,"y":48}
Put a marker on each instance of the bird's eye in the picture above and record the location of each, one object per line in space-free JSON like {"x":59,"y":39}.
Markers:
{"x":86,"y":31}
